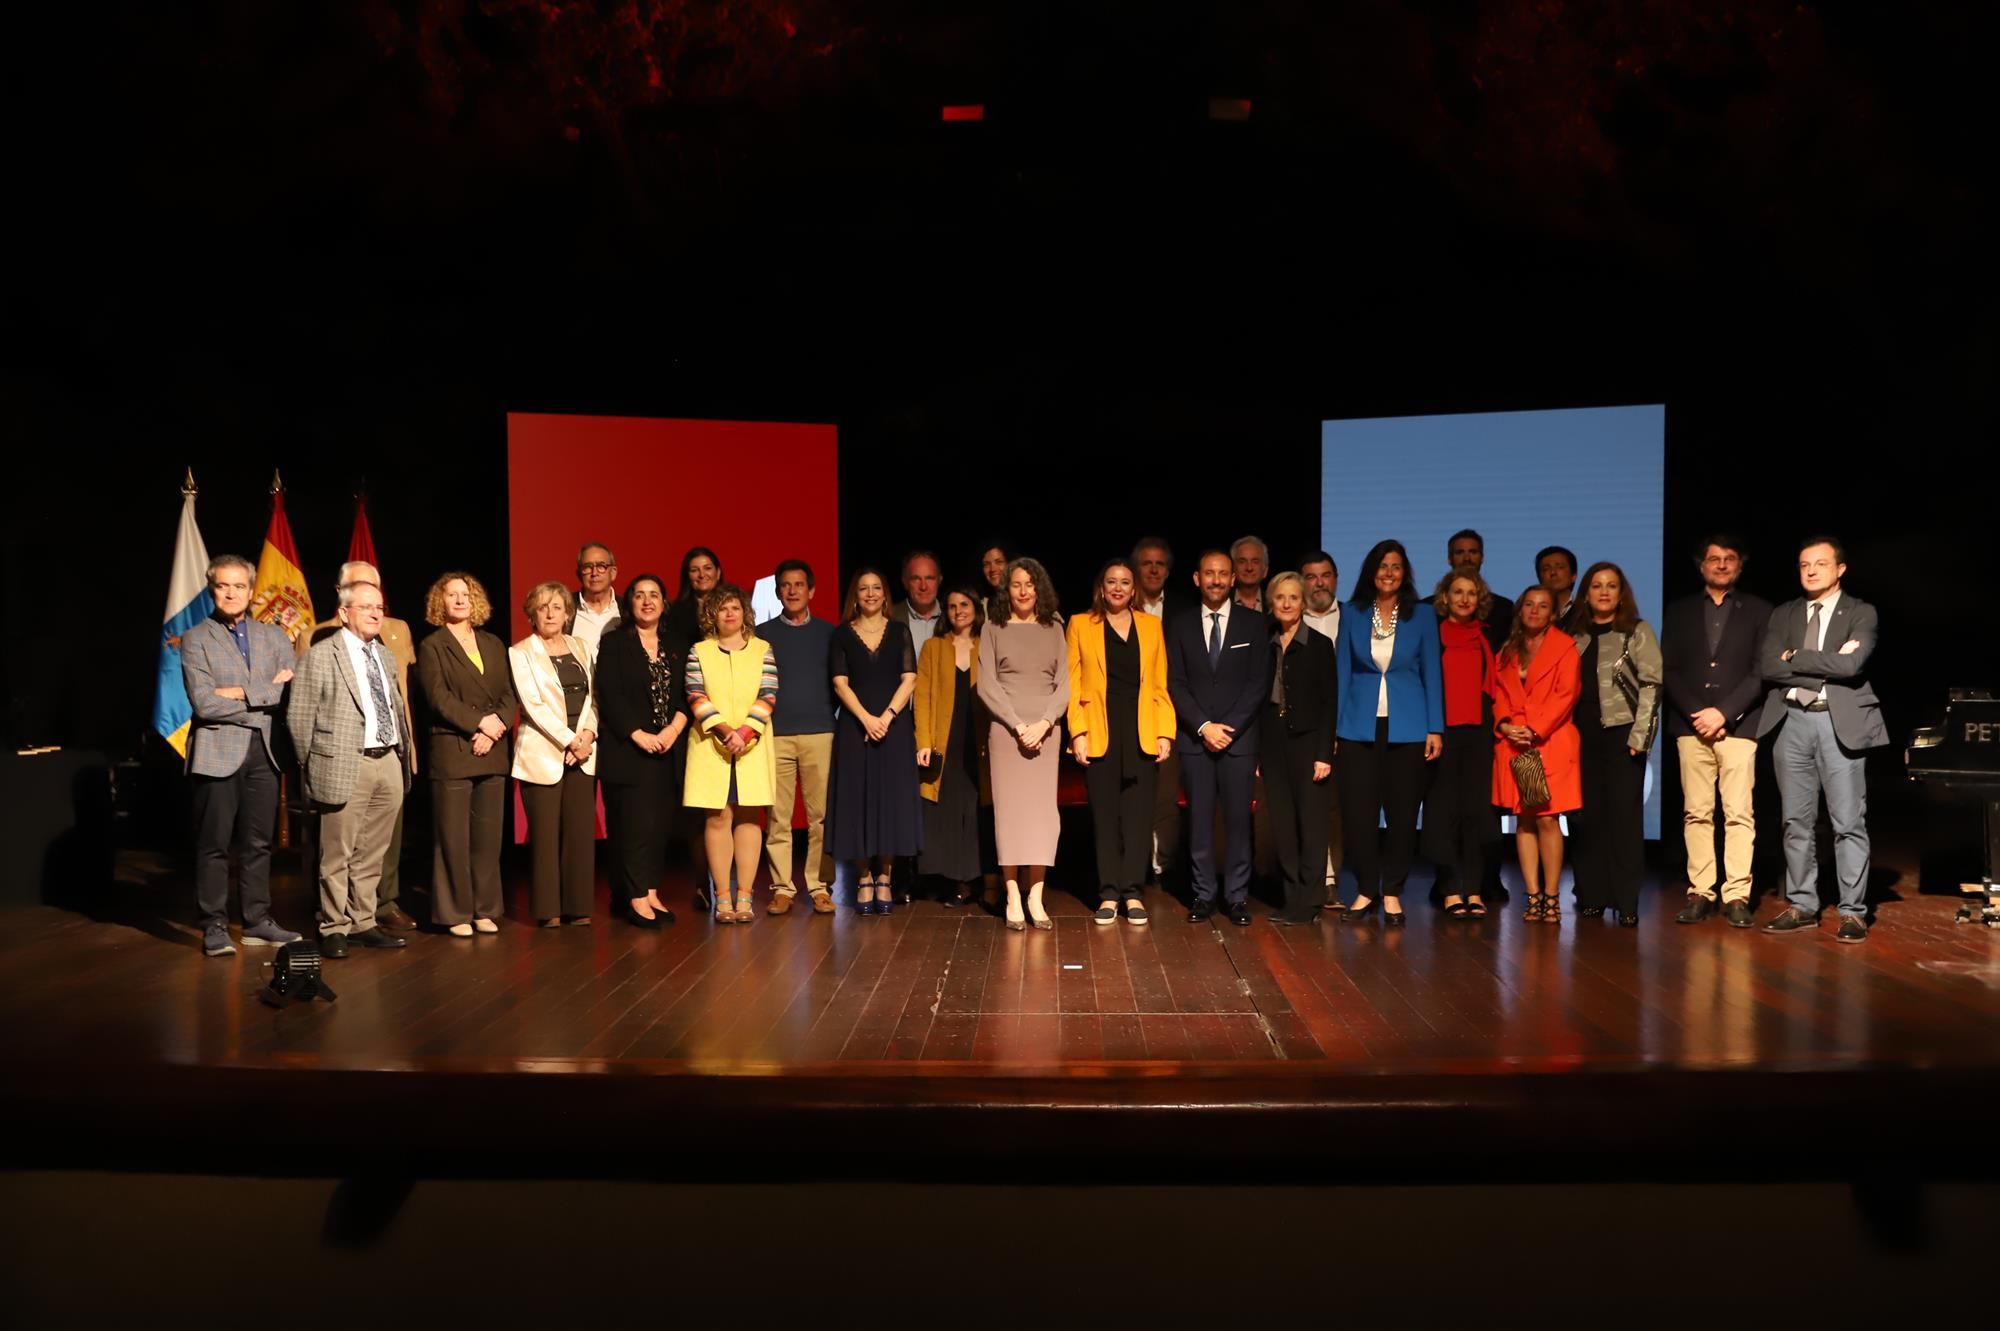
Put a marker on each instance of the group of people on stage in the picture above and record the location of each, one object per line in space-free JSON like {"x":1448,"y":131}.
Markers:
{"x":933,"y":728}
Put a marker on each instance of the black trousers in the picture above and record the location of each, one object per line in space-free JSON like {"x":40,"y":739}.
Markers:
{"x":235,"y":814}
{"x":1121,"y":786}
{"x":1458,"y":813}
{"x":1380,"y":782}
{"x":1607,"y":835}
{"x":467,"y":814}
{"x":1300,"y":812}
{"x":640,"y":819}
{"x":562,"y":833}
{"x":1226,"y":779}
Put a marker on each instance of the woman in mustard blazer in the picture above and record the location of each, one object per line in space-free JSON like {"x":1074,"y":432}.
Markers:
{"x":957,"y":780}
{"x":1121,"y":726}
{"x":732,"y":689}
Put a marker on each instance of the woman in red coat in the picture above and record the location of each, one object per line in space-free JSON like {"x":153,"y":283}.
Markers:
{"x":1535,"y":686}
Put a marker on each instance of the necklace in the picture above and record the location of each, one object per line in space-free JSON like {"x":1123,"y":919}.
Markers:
{"x":1375,"y":628}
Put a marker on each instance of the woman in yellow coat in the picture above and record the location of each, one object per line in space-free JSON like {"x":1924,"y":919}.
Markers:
{"x":732,"y":687}
{"x":1121,"y":726}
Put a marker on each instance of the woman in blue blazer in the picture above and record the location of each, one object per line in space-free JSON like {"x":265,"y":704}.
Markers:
{"x":1390,"y":723}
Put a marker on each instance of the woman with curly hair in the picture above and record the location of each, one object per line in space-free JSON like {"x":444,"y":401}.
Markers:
{"x":1024,"y":682}
{"x":463,"y":672}
{"x":732,"y":687}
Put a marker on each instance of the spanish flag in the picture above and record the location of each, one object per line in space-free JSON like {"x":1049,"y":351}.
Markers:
{"x":188,"y":603}
{"x":281,"y":597}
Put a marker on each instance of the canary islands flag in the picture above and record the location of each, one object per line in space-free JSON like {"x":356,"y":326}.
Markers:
{"x":281,"y":597}
{"x":188,"y":603}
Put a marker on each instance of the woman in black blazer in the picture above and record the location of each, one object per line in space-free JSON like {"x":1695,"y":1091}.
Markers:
{"x":1295,"y":748}
{"x":465,"y":678}
{"x":642,"y":707}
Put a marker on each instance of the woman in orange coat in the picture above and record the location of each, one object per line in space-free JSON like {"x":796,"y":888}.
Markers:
{"x":1535,"y":685}
{"x":1121,"y":725}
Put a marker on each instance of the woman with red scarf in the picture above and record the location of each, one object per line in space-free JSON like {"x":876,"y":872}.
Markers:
{"x":1458,"y":815}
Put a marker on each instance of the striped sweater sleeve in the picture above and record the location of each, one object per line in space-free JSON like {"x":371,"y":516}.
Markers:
{"x":759,"y":719}
{"x":700,"y":707}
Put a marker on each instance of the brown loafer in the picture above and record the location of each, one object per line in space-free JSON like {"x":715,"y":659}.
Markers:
{"x":822,"y":903}
{"x":395,"y":917}
{"x":781,"y":904}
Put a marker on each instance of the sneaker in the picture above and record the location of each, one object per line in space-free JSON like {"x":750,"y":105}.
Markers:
{"x":1853,"y":929}
{"x":267,"y":933}
{"x":215,"y":942}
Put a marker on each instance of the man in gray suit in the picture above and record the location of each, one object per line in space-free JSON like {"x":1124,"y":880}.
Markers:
{"x":349,"y":726}
{"x":236,"y":670}
{"x":1815,"y":659}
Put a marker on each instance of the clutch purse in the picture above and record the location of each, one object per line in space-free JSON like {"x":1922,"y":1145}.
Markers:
{"x":1530,"y":779}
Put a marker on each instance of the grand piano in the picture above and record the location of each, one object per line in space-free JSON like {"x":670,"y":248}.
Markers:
{"x":1959,"y":760}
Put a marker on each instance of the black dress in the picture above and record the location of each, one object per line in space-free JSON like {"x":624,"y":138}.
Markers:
{"x":872,"y":801}
{"x":1607,"y":833}
{"x":951,"y":822}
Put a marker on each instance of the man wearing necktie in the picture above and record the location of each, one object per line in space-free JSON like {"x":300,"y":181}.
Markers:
{"x":352,"y":735}
{"x":1820,"y":703}
{"x":1218,"y":670}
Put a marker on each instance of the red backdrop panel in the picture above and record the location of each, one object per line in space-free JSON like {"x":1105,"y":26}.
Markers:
{"x":754,"y":492}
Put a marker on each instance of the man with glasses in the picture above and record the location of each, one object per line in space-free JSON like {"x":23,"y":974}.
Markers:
{"x":596,"y":595}
{"x":236,"y":671}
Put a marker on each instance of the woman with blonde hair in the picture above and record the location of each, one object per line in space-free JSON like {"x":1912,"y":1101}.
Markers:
{"x":462,"y":670}
{"x":555,"y":757}
{"x":872,"y":805}
{"x":1536,"y":749}
{"x":732,"y":687}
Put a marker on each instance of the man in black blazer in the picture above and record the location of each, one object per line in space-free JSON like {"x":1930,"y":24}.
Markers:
{"x":1713,"y":680}
{"x":1815,"y":659}
{"x":1218,"y":670}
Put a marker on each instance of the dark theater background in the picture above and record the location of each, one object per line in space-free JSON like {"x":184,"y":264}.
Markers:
{"x":1060,"y":274}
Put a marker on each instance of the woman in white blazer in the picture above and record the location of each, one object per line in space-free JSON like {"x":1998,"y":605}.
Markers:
{"x":555,"y":757}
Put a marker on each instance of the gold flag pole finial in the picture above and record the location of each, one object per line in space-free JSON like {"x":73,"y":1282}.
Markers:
{"x":277,"y":485}
{"x":188,"y":485}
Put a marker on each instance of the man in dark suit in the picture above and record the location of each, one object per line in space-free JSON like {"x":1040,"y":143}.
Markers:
{"x":236,"y":671}
{"x":1713,"y":680}
{"x":1218,"y":670}
{"x":1815,"y":659}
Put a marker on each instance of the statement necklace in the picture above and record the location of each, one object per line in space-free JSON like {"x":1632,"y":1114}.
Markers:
{"x":1375,"y":622}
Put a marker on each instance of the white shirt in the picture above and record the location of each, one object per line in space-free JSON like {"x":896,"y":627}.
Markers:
{"x":590,"y":624}
{"x":1382,"y":650}
{"x":1156,"y":608}
{"x":377,"y":732}
{"x":1327,"y":624}
{"x":1826,"y":604}
{"x":1222,"y":634}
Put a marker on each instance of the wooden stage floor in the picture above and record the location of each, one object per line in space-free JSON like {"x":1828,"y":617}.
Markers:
{"x":1352,"y":1045}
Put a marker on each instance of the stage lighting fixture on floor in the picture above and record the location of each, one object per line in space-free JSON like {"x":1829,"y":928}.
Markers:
{"x":295,"y":977}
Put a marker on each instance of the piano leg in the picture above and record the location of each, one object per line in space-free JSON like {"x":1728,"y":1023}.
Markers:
{"x":1983,"y":902}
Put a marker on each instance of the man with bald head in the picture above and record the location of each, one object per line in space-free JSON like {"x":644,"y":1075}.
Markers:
{"x":395,"y":639}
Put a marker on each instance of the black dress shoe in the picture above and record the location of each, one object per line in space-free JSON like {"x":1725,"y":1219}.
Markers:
{"x":638,"y":921}
{"x":1200,"y":912}
{"x":1698,"y":908}
{"x":1736,"y":914}
{"x":333,"y":945}
{"x":377,"y":938}
{"x":1792,"y":920}
{"x":1627,"y":919}
{"x":1853,"y":929}
{"x":1238,"y":912}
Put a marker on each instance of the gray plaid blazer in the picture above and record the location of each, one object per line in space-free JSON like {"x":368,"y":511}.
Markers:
{"x":223,"y":729}
{"x":328,"y":726}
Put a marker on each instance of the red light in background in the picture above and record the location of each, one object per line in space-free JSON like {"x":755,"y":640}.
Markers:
{"x":952,"y":115}
{"x":1229,"y":108}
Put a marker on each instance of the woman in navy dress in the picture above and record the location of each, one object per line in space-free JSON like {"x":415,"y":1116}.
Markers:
{"x":873,"y":810}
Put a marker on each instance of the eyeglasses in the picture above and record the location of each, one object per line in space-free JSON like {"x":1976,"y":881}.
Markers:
{"x":596,"y":566}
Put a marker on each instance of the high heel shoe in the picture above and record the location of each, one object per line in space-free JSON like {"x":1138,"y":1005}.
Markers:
{"x":1533,"y":914}
{"x":1036,"y":915}
{"x":864,"y":897}
{"x":1358,"y":914}
{"x":1015,"y":919}
{"x":1394,"y":919}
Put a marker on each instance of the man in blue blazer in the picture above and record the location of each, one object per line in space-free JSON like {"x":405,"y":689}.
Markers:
{"x":1218,"y":670}
{"x":235,"y":670}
